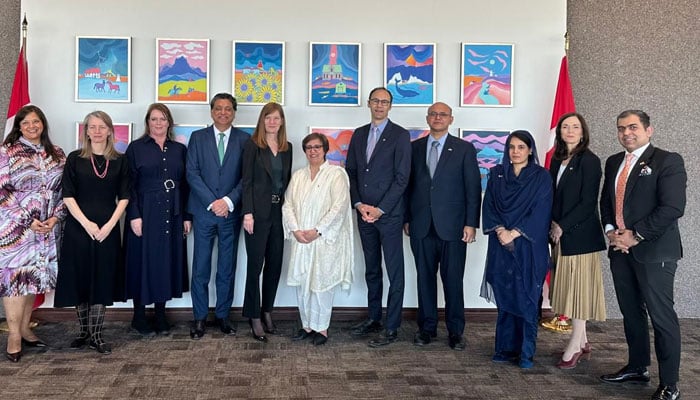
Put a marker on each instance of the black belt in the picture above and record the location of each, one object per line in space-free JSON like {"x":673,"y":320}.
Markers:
{"x":156,"y":186}
{"x":276,"y":199}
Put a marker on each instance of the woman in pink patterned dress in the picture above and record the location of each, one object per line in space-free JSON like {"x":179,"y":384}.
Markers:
{"x":31,"y":206}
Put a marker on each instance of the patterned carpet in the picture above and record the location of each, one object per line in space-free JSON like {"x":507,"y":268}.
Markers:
{"x":219,"y":367}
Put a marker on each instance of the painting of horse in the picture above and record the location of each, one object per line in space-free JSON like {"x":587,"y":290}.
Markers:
{"x":103,"y":69}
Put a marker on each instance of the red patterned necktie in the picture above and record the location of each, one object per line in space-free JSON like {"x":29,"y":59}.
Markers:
{"x":620,"y":191}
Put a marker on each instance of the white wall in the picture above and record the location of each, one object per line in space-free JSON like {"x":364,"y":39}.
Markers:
{"x":535,"y":27}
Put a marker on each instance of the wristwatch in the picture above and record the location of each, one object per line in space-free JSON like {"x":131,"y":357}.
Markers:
{"x":637,"y":236}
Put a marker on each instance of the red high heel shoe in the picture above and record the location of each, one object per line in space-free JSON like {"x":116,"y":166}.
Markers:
{"x":571,"y":364}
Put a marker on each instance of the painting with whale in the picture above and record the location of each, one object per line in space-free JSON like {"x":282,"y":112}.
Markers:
{"x":409,"y":73}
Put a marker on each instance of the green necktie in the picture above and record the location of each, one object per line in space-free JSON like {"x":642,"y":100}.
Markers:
{"x":221,"y":147}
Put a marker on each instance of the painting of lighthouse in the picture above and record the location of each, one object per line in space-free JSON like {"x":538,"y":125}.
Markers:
{"x":409,"y":73}
{"x":487,"y":75}
{"x":103,"y":69}
{"x":334,"y":74}
{"x":182,"y":74}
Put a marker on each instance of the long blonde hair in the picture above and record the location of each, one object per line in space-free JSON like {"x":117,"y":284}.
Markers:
{"x":259,"y":133}
{"x":110,"y":152}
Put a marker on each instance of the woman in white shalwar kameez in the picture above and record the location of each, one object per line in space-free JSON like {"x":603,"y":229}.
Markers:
{"x":317,"y":218}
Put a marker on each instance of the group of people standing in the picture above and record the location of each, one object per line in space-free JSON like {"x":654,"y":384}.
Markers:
{"x":429,"y":190}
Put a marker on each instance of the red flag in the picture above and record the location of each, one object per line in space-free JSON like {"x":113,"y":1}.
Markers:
{"x":563,"y":103}
{"x":20,"y":90}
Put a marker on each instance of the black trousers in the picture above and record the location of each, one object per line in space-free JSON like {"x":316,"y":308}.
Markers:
{"x":647,"y":289}
{"x":264,"y":248}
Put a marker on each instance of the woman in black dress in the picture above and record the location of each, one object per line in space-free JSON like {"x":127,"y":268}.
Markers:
{"x":156,"y":255}
{"x":96,"y":193}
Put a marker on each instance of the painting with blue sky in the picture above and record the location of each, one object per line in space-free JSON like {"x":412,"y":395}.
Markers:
{"x":409,"y":73}
{"x":489,"y":146}
{"x":258,"y":75}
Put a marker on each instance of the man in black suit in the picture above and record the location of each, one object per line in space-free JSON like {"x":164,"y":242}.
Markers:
{"x":444,"y":202}
{"x":643,"y":197}
{"x":379,"y":165}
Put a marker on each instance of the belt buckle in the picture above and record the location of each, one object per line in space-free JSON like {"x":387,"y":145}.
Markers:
{"x":275,"y":198}
{"x":169,"y":184}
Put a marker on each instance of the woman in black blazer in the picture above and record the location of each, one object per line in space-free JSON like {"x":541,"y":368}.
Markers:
{"x":576,"y":233}
{"x":267,"y":166}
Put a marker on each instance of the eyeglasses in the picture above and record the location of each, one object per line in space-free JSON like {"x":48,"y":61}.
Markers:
{"x":313,"y":147}
{"x":434,"y":114}
{"x":382,"y":102}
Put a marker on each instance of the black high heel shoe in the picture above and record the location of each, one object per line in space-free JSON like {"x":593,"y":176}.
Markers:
{"x":14,"y":357}
{"x":268,"y":325}
{"x":33,"y":343}
{"x":259,"y":338}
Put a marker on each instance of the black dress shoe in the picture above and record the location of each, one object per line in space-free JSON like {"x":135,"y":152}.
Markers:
{"x":626,"y":374}
{"x":33,"y":343}
{"x":319,"y":339}
{"x":366,"y":327}
{"x":225,"y":326}
{"x":666,"y":393}
{"x":102,"y":348}
{"x":162,"y":326}
{"x":259,"y":338}
{"x":456,"y":342}
{"x":142,"y":327}
{"x":268,"y":325}
{"x":197,"y":329}
{"x":79,"y":342}
{"x":302,"y":335}
{"x":388,"y":338}
{"x":421,"y":338}
{"x":14,"y":357}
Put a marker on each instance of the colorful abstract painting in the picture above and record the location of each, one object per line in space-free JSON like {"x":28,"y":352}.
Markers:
{"x":487,"y":75}
{"x":417,"y":133}
{"x":489,"y":148}
{"x":334,"y":74}
{"x":258,"y":72}
{"x":409,"y":73}
{"x":103,"y":69}
{"x":122,"y":136}
{"x":182,"y":132}
{"x":338,"y":143}
{"x":182,"y":74}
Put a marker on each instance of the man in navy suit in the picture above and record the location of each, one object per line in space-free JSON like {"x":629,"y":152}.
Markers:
{"x":643,"y":197}
{"x":444,"y":203}
{"x":214,"y":164}
{"x":379,"y":165}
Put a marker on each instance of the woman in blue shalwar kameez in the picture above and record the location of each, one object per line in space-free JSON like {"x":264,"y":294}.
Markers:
{"x":516,"y":216}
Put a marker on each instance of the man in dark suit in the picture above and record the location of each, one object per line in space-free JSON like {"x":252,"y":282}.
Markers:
{"x":444,"y":203}
{"x":643,"y":197}
{"x":214,"y":160}
{"x":379,"y":165}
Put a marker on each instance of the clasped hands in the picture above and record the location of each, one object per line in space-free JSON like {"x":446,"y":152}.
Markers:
{"x":621,"y":239}
{"x":43,"y":226}
{"x":220,"y":208}
{"x":97,"y":233}
{"x":306,"y":236}
{"x":506,"y":236}
{"x":369,"y":213}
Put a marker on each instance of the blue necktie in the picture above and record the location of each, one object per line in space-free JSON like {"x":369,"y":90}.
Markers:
{"x":372,"y":141}
{"x":433,"y":158}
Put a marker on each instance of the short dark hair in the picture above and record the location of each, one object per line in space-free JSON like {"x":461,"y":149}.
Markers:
{"x":391,"y":96}
{"x":561,"y":151}
{"x":315,"y":135}
{"x":224,"y":96}
{"x":643,"y":117}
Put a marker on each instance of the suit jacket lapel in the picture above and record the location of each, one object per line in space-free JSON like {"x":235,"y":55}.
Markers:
{"x":636,"y":169}
{"x":380,"y":140}
{"x":568,"y":170}
{"x":445,"y":154}
{"x":211,"y":145}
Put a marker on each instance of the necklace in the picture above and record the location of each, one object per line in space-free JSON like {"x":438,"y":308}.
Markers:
{"x":94,"y":168}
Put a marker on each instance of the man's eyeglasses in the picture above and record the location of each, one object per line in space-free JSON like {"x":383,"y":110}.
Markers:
{"x":382,"y":102}
{"x":313,"y":147}
{"x":434,"y":114}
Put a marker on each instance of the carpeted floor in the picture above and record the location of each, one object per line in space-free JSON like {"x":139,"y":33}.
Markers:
{"x":219,"y":367}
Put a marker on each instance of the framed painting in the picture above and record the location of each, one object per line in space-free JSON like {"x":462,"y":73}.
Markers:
{"x":182,"y":132}
{"x":258,"y":72}
{"x":247,"y":128}
{"x":417,"y":133}
{"x":409,"y":73}
{"x":182,"y":74}
{"x":122,"y":136}
{"x":103,"y":69}
{"x":487,"y":75}
{"x":489,"y":146}
{"x":338,"y":143}
{"x":334,"y":74}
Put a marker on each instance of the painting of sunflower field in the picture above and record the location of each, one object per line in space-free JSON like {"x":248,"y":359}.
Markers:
{"x":258,"y":72}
